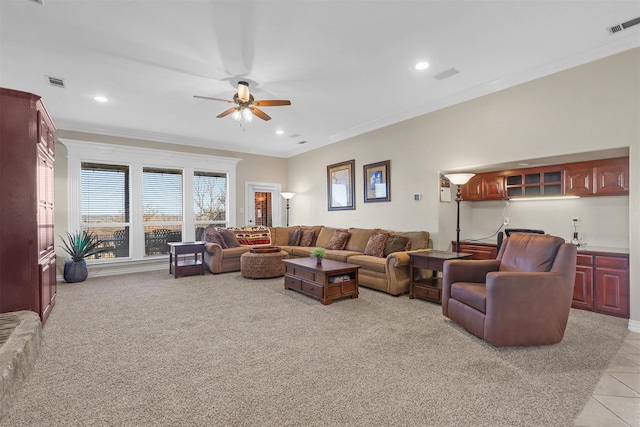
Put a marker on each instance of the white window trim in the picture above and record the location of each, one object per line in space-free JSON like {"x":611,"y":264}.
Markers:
{"x":137,"y":158}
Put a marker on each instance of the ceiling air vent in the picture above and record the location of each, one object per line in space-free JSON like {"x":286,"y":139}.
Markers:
{"x":55,"y":81}
{"x":624,"y":25}
{"x":294,"y":135}
{"x":39,"y":2}
{"x":302,"y":142}
{"x":447,"y":73}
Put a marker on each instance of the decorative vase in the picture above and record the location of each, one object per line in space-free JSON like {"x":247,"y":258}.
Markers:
{"x":75,"y":271}
{"x":318,"y":260}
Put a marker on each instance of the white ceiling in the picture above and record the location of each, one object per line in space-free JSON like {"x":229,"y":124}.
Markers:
{"x":346,"y":66}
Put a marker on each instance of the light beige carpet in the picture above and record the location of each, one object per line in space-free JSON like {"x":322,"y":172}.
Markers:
{"x":151,"y":350}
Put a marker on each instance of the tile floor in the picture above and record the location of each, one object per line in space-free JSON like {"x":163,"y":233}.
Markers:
{"x":616,"y":400}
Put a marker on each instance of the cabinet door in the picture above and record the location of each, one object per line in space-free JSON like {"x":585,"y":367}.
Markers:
{"x":578,"y":181}
{"x":48,"y":286}
{"x":479,"y":251}
{"x":472,"y":190}
{"x":612,"y":178}
{"x":612,"y":291}
{"x":583,"y":288}
{"x":493,"y":188}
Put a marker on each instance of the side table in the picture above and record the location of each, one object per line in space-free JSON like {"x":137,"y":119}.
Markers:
{"x":186,"y":258}
{"x":429,"y":288}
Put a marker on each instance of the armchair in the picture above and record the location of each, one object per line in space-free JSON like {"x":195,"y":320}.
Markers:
{"x":521,"y":298}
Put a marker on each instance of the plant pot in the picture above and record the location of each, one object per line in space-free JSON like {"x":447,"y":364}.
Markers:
{"x":75,"y":271}
{"x":318,"y":260}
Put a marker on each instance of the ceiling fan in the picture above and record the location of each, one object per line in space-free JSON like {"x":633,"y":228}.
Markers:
{"x":246,"y":106}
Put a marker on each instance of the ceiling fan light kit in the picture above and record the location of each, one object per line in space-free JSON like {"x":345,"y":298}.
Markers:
{"x":246,"y":104}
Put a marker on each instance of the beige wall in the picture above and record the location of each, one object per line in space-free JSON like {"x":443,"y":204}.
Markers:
{"x":588,"y":108}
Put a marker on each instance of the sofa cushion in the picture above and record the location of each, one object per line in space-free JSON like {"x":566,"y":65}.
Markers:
{"x":306,"y":237}
{"x":294,"y":237}
{"x":471,"y":294}
{"x":229,"y":238}
{"x":325,"y":235}
{"x":376,"y":244}
{"x":418,"y":239}
{"x":212,"y":235}
{"x":234,"y":252}
{"x":397,"y":243}
{"x":369,"y":262}
{"x":339,"y":240}
{"x":359,"y":238}
{"x":253,"y":237}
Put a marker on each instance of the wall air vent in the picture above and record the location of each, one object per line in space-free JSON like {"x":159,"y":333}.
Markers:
{"x":624,"y":25}
{"x":56,"y":81}
{"x":447,"y":73}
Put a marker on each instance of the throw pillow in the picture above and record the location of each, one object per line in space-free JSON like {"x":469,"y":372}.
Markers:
{"x":306,"y":237}
{"x":397,"y":243}
{"x":229,"y":238}
{"x":212,"y":235}
{"x":294,"y":237}
{"x":376,"y":244}
{"x":339,"y":240}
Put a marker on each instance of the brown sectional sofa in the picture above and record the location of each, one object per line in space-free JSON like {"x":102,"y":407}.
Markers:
{"x":388,"y":273}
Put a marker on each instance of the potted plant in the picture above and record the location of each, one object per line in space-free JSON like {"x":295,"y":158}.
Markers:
{"x":79,"y":246}
{"x":318,"y":254}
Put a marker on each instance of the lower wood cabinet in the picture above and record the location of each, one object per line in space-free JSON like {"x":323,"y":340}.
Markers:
{"x":479,"y":250}
{"x":602,"y":278}
{"x":602,"y":283}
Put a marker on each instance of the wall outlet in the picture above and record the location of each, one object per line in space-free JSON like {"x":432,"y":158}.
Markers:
{"x":575,"y":220}
{"x":505,"y":221}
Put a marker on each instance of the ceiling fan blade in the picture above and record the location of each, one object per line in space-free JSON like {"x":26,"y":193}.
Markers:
{"x":226,"y":112}
{"x":271,"y":103}
{"x":259,"y":113}
{"x":214,"y":99}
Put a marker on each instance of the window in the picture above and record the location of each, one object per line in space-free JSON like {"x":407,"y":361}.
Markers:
{"x":161,"y":209}
{"x":138,"y":200}
{"x":209,"y":200}
{"x":106,"y":207}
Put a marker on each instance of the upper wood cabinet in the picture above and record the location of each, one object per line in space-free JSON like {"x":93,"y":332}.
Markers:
{"x":484,"y":187}
{"x":608,"y":177}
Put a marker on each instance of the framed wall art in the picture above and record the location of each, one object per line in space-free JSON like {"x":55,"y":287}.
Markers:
{"x":340,"y":186}
{"x":377,"y":182}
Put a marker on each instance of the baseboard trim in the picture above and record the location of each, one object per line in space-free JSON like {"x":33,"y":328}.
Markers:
{"x":634,"y":326}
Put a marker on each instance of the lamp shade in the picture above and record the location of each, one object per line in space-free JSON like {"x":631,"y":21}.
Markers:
{"x":288,"y":196}
{"x":459,"y":178}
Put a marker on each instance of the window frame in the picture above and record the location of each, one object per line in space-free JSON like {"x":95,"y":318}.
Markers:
{"x":138,"y":158}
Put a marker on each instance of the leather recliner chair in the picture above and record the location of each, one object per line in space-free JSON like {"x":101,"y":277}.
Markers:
{"x":521,"y":298}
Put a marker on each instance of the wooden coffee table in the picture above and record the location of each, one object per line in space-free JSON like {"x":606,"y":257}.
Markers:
{"x":326,"y":282}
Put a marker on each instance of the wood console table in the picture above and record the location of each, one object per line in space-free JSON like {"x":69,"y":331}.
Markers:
{"x":429,"y":288}
{"x":186,"y":258}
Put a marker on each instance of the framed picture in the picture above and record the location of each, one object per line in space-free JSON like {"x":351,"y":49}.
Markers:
{"x":377,"y":182}
{"x":340,"y":186}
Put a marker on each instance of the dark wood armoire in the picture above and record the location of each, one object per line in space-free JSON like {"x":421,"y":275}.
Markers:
{"x":27,"y":255}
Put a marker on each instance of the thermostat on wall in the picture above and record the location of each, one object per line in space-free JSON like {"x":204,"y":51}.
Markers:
{"x":417,"y":197}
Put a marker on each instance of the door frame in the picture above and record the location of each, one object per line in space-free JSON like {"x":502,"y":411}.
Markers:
{"x":250,"y":188}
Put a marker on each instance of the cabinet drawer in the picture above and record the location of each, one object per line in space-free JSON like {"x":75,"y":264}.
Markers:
{"x":312,"y":289}
{"x":304,"y":274}
{"x":292,"y":283}
{"x":344,"y":288}
{"x":613,"y":262}
{"x":585,"y":259}
{"x":427,"y":292}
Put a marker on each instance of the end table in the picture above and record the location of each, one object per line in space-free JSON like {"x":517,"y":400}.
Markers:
{"x":429,"y":288}
{"x":186,"y":258}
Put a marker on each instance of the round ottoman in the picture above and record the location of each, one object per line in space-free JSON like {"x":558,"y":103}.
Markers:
{"x":263,"y":263}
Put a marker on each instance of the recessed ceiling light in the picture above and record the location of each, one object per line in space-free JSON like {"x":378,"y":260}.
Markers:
{"x":100,"y":99}
{"x":422,"y":65}
{"x":279,"y":132}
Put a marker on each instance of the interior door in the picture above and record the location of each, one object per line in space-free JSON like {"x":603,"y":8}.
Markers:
{"x":263,"y":205}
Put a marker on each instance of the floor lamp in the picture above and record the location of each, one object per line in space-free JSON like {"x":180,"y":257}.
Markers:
{"x":288,"y":196}
{"x":458,"y":179}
